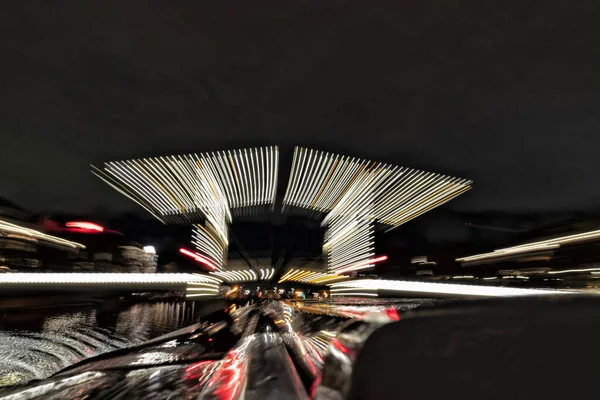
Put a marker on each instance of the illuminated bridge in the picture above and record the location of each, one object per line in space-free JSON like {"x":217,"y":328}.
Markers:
{"x":351,"y":197}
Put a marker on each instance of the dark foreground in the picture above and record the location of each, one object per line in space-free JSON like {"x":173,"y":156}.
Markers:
{"x":352,"y":349}
{"x":36,"y":341}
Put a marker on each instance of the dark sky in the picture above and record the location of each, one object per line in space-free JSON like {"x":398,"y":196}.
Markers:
{"x":504,"y":93}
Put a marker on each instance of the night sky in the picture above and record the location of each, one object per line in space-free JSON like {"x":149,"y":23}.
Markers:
{"x":504,"y":93}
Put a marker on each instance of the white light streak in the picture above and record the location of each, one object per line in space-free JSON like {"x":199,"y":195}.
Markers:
{"x":104,"y":278}
{"x":37,"y":235}
{"x":570,"y":271}
{"x":548,"y":244}
{"x":274,"y":178}
{"x":569,"y":239}
{"x":511,"y":251}
{"x":354,"y":294}
{"x":443,"y":288}
{"x":191,"y":296}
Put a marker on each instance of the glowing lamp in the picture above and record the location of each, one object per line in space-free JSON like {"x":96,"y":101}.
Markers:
{"x":149,"y":250}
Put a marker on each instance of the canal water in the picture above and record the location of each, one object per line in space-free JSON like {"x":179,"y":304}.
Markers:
{"x":37,"y":343}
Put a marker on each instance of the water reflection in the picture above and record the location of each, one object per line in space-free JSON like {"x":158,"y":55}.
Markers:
{"x":36,"y":344}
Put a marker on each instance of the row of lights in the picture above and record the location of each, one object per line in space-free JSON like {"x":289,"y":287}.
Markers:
{"x":349,"y":241}
{"x":307,"y":276}
{"x":206,"y":243}
{"x":342,"y":186}
{"x":355,"y":194}
{"x":395,"y":195}
{"x":266,"y":273}
{"x":202,"y":289}
{"x":211,"y":183}
{"x":181,"y":188}
{"x":248,"y":275}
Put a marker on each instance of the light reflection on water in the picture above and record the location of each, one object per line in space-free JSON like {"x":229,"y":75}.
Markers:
{"x":37,"y":344}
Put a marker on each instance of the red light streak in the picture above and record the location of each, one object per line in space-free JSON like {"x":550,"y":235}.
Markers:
{"x":193,"y":367}
{"x":85,"y":226}
{"x":199,"y":372}
{"x":392,"y":314}
{"x":313,"y":388}
{"x":228,"y":379}
{"x":198,"y":365}
{"x":198,"y":257}
{"x":338,"y":345}
{"x":356,"y":266}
